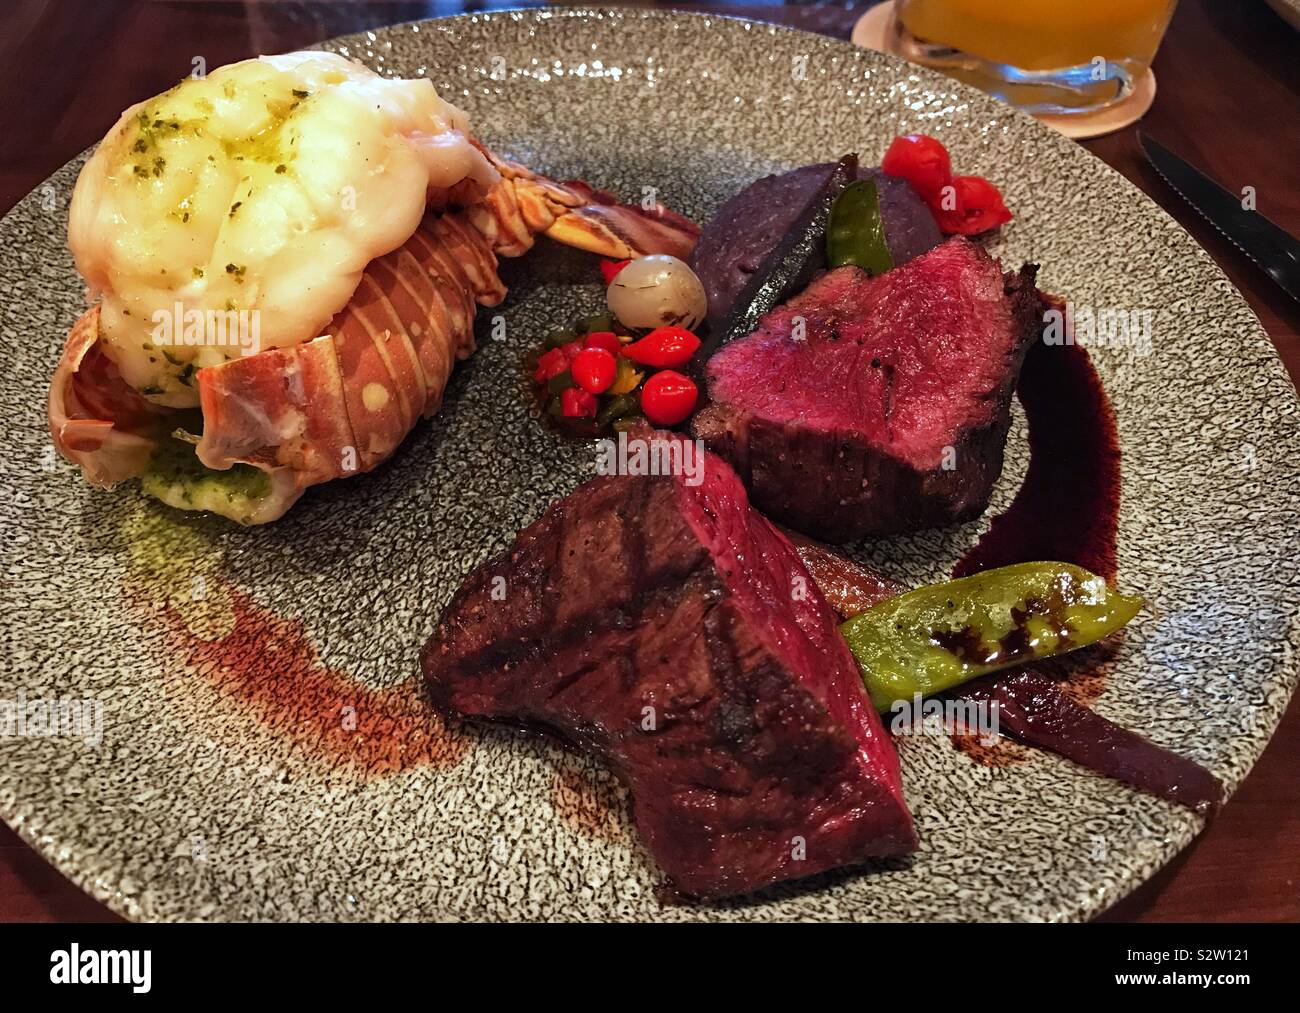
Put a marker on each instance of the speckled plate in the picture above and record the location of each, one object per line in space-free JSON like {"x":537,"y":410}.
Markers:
{"x":1289,"y":11}
{"x":265,"y":751}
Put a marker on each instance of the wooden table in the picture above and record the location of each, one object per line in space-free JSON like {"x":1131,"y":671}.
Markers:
{"x":1229,"y":88}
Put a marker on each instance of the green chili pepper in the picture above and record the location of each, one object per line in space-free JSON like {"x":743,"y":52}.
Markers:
{"x":940,"y":636}
{"x":619,"y":406}
{"x":559,"y":383}
{"x":856,"y":231}
{"x":557,"y":338}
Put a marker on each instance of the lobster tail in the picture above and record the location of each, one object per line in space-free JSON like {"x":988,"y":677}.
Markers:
{"x":523,"y":204}
{"x":339,"y":404}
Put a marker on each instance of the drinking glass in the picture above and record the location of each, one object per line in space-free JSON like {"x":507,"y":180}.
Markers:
{"x":1046,"y":56}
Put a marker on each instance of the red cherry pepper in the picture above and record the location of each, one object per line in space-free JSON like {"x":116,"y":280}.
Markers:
{"x":576,"y":403}
{"x":607,"y":340}
{"x":571,"y":351}
{"x":922,"y":161}
{"x":551,"y":363}
{"x":946,"y":206}
{"x":979,"y":207}
{"x":668,"y":398}
{"x":609,"y":268}
{"x":664,"y":347}
{"x":594,"y":369}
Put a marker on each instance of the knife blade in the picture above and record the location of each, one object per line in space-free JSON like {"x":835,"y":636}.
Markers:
{"x":1272,"y":248}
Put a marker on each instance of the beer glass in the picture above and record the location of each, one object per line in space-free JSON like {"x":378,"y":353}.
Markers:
{"x":1046,"y":56}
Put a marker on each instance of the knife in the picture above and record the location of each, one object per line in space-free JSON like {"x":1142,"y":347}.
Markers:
{"x":1272,"y":248}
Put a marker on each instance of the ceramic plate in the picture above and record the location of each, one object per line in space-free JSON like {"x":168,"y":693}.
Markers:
{"x":1289,"y":10}
{"x":264,"y":751}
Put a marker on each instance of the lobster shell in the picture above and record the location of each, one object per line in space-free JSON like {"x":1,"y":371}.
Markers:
{"x":340,"y":404}
{"x":331,"y":407}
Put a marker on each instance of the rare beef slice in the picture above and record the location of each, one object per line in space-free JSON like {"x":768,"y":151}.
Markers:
{"x":869,"y":406}
{"x":674,"y":631}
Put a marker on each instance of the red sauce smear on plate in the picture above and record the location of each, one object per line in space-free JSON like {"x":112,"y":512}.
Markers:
{"x":1067,"y":510}
{"x":268,"y":664}
{"x":594,"y":808}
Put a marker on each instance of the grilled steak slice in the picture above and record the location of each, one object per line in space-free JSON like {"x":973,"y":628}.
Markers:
{"x":877,"y":405}
{"x":674,"y":631}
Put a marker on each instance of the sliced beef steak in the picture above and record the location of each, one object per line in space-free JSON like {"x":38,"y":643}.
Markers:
{"x":877,"y":405}
{"x":674,"y":631}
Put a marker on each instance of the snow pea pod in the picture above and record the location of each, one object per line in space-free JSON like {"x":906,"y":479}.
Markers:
{"x":940,"y":636}
{"x":855,"y":233}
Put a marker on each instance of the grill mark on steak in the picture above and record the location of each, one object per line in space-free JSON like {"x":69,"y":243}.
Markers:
{"x":605,"y":620}
{"x":566,"y":681}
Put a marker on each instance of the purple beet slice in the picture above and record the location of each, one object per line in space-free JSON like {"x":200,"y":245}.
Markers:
{"x":743,"y":233}
{"x":674,"y":631}
{"x":869,"y":406}
{"x":1033,"y":710}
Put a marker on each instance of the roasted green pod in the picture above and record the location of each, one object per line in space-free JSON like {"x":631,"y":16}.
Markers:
{"x":855,"y":233}
{"x":937,"y":637}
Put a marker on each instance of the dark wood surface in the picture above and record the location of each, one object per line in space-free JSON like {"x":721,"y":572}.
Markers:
{"x":1229,"y":91}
